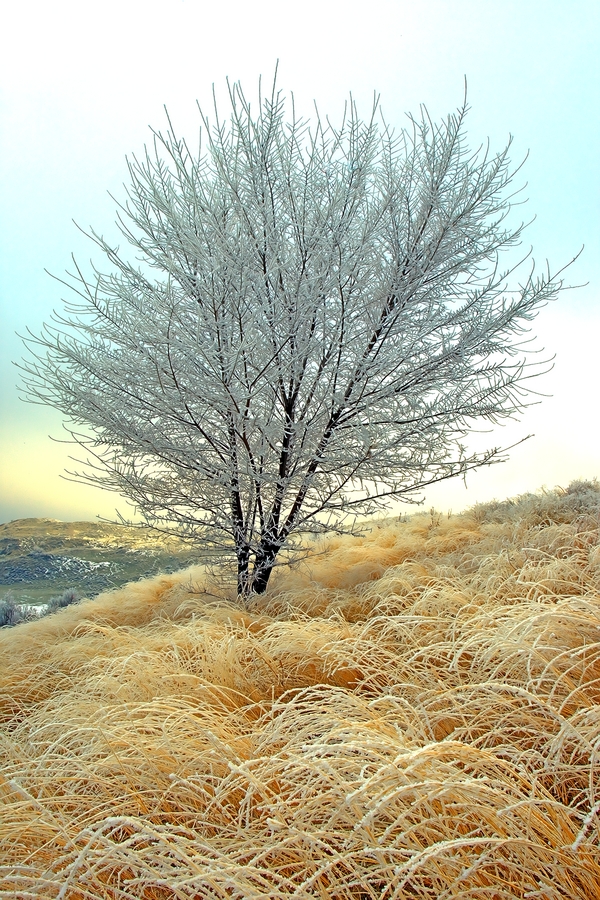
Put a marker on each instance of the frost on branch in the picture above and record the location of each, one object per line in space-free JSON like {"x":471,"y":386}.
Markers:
{"x":311,"y":321}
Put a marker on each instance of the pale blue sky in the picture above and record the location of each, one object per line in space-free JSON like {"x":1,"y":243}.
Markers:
{"x":81,"y":82}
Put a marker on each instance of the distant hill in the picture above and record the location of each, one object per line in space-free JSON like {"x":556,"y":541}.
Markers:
{"x":40,"y":558}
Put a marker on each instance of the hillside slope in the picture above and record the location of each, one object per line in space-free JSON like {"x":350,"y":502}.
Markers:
{"x":39,"y":558}
{"x":413,"y":713}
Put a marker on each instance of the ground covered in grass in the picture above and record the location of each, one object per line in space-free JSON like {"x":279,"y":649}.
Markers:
{"x":410,"y":714}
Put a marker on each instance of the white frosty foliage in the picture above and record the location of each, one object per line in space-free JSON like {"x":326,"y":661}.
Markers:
{"x":315,"y":320}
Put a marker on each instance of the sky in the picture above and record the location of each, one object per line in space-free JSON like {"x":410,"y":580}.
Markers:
{"x":82,"y":83}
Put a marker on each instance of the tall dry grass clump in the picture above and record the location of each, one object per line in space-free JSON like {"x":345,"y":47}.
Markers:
{"x":410,"y":714}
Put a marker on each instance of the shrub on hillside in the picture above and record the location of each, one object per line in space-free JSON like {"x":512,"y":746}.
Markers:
{"x":10,"y":611}
{"x":66,"y":599}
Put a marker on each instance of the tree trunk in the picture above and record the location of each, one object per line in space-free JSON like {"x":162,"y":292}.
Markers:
{"x":263,"y":566}
{"x":261,"y":577}
{"x":243,"y":573}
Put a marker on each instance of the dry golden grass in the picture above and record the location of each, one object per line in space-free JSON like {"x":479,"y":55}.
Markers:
{"x":411,"y":714}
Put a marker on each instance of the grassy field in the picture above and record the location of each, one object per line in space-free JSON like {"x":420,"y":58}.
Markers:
{"x":410,"y":714}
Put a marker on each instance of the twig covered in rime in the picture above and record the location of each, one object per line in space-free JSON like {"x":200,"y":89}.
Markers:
{"x":312,"y":322}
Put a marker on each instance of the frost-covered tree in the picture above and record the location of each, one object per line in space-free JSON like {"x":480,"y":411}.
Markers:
{"x":312,"y":321}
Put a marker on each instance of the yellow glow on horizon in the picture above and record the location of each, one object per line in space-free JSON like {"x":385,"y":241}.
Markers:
{"x":31,"y":484}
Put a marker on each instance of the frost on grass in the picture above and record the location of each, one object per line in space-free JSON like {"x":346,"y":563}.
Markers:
{"x":414,"y":713}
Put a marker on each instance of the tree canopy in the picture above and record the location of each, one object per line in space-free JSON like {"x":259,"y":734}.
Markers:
{"x":312,"y":321}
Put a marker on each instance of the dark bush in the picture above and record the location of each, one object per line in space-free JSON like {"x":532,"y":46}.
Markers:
{"x":10,"y":611}
{"x":66,"y":599}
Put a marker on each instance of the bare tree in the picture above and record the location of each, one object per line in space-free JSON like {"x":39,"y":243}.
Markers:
{"x":315,"y":319}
